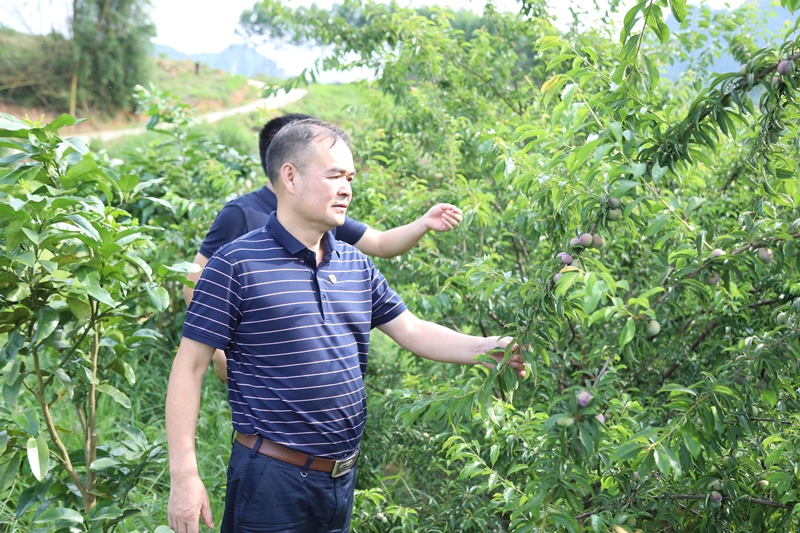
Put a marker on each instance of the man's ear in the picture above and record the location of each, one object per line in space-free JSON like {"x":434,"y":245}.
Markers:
{"x":288,"y":179}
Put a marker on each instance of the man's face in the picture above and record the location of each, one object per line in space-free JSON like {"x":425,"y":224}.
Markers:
{"x":323,"y":190}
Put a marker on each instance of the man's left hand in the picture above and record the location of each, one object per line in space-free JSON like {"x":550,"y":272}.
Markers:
{"x":442,"y":217}
{"x":517,"y":361}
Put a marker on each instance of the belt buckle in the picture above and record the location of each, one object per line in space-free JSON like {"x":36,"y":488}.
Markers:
{"x":343,"y":466}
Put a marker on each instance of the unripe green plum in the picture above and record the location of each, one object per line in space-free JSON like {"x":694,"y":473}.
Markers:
{"x":381,"y":517}
{"x":715,"y":496}
{"x":653,"y":328}
{"x":586,"y":240}
{"x":614,"y":202}
{"x":762,"y":485}
{"x":775,"y":80}
{"x":614,"y":214}
{"x":631,"y":521}
{"x":781,"y":318}
{"x":743,"y":69}
{"x":598,"y":241}
{"x":716,"y":253}
{"x":754,"y":411}
{"x":717,"y":486}
{"x":566,"y":421}
{"x":726,"y":461}
{"x":712,"y":278}
{"x":765,"y":255}
{"x":761,"y":384}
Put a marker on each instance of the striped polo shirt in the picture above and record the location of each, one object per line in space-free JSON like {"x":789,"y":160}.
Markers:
{"x":296,"y":335}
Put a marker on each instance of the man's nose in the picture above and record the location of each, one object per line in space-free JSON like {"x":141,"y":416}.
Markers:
{"x":346,"y":189}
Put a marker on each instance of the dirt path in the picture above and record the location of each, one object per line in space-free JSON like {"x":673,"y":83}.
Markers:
{"x":273,"y":102}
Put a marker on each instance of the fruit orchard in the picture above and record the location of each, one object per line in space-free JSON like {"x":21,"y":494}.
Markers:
{"x":641,"y":235}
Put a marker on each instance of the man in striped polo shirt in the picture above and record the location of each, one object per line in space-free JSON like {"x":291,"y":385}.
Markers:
{"x":293,"y":309}
{"x":251,"y":211}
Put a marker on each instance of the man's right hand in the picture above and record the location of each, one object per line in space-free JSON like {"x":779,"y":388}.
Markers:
{"x":188,"y":500}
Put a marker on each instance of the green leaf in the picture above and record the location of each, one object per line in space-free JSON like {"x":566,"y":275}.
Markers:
{"x":159,"y":297}
{"x":3,"y":441}
{"x":99,"y":294}
{"x":104,"y":462}
{"x":627,"y":333}
{"x":62,"y":121}
{"x":692,"y":443}
{"x":38,"y":457}
{"x":80,"y":308}
{"x":46,"y":324}
{"x":60,"y":513}
{"x":77,"y":144}
{"x":85,"y":227}
{"x":621,"y":187}
{"x":627,"y":451}
{"x":678,"y":8}
{"x":27,"y":421}
{"x":109,"y":512}
{"x":115,"y":393}
{"x":82,"y":167}
{"x":9,"y":470}
{"x":662,"y":461}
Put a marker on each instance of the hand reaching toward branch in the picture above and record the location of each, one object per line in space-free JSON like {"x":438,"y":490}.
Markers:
{"x":442,"y":217}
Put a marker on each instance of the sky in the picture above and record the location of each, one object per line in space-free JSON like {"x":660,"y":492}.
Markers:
{"x":195,"y":26}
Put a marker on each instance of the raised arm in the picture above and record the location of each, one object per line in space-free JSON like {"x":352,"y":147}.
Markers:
{"x":442,"y":344}
{"x":399,"y":240}
{"x":188,"y":498}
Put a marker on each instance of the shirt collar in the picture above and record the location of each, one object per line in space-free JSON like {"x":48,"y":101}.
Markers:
{"x":292,"y":245}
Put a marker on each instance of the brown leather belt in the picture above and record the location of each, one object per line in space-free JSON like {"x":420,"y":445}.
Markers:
{"x":293,"y":457}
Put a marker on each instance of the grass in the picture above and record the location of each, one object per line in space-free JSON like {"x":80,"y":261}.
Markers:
{"x":338,"y":104}
{"x":210,"y":89}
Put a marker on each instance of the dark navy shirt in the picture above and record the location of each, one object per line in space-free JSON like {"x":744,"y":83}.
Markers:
{"x":250,"y":212}
{"x":296,"y":335}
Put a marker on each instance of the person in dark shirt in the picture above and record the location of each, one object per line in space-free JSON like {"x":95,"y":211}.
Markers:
{"x":293,"y":308}
{"x":251,"y":212}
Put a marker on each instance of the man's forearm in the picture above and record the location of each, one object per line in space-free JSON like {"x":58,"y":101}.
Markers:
{"x":436,"y":342}
{"x":393,"y":242}
{"x":182,"y":408}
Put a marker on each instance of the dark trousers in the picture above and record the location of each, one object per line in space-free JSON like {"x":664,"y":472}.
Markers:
{"x":266,"y":495}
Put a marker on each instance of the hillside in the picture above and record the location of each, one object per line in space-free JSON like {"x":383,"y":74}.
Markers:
{"x":209,"y":90}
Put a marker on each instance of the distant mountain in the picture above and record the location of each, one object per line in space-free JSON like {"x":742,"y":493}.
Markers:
{"x":236,"y":59}
{"x":726,"y":62}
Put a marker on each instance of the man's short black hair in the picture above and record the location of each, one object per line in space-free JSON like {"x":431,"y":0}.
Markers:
{"x":270,"y":129}
{"x":295,"y":144}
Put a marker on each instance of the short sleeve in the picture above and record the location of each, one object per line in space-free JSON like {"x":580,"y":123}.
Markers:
{"x":214,"y":312}
{"x":229,"y":225}
{"x":350,"y":232}
{"x":386,"y":304}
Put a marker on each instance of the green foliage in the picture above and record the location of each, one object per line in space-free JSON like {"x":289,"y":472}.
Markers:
{"x":691,"y":377}
{"x":45,"y":85}
{"x":111,"y":48}
{"x":80,"y":277}
{"x":76,"y":287}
